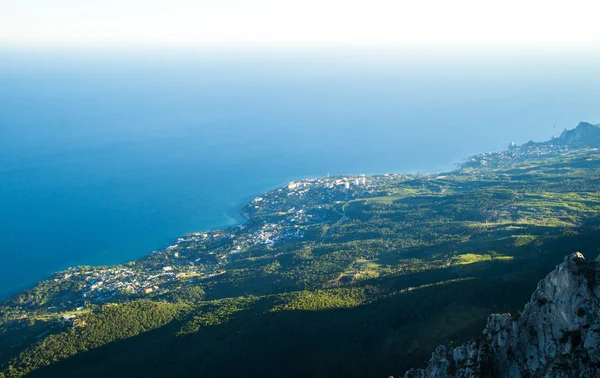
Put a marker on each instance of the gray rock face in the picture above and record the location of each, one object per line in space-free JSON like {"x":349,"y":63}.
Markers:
{"x":557,"y":335}
{"x":583,"y":133}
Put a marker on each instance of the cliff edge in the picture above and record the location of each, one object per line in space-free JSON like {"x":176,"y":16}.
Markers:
{"x":557,"y":335}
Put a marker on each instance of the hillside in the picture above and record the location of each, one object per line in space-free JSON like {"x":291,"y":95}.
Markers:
{"x":345,"y":276}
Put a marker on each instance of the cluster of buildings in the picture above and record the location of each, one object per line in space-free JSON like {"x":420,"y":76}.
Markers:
{"x":308,"y":193}
{"x":517,"y":154}
{"x":99,"y":285}
{"x":283,"y":214}
{"x":346,"y":182}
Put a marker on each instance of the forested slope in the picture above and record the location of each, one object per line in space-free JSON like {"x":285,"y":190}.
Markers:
{"x":383,"y":277}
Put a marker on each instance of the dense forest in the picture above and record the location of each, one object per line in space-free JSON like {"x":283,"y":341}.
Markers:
{"x":386,"y":277}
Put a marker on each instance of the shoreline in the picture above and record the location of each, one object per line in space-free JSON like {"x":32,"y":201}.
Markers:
{"x":235,"y":213}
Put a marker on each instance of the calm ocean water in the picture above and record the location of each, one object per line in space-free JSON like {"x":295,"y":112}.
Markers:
{"x":105,"y":157}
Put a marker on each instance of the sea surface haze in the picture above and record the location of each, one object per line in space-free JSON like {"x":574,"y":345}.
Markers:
{"x":107,"y":156}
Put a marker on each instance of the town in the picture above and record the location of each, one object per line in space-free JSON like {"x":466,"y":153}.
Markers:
{"x":295,"y":212}
{"x":300,"y":211}
{"x":566,"y":143}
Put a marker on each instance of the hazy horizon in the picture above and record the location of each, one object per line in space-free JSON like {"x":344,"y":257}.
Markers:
{"x":291,"y":23}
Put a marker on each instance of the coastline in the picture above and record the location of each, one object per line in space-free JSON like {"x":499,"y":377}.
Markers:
{"x":234,"y":212}
{"x":233,"y":216}
{"x":239,"y":217}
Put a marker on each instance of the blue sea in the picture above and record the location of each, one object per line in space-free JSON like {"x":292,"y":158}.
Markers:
{"x":108,"y":155}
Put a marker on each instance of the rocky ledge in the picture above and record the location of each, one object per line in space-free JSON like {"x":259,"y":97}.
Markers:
{"x":557,"y":335}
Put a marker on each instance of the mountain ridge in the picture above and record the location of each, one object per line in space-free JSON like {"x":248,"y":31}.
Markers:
{"x":583,"y":129}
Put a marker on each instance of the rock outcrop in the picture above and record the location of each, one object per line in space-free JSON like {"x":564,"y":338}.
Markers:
{"x":584,"y":134}
{"x":557,"y":335}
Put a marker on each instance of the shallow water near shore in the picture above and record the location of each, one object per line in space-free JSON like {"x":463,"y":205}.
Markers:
{"x":104,"y":158}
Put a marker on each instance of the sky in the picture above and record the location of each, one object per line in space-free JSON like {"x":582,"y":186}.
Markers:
{"x":32,"y":23}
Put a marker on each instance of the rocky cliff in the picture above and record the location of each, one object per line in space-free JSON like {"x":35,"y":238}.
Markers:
{"x":557,"y":335}
{"x":584,"y":134}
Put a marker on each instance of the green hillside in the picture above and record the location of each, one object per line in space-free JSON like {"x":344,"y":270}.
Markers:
{"x":336,"y":277}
